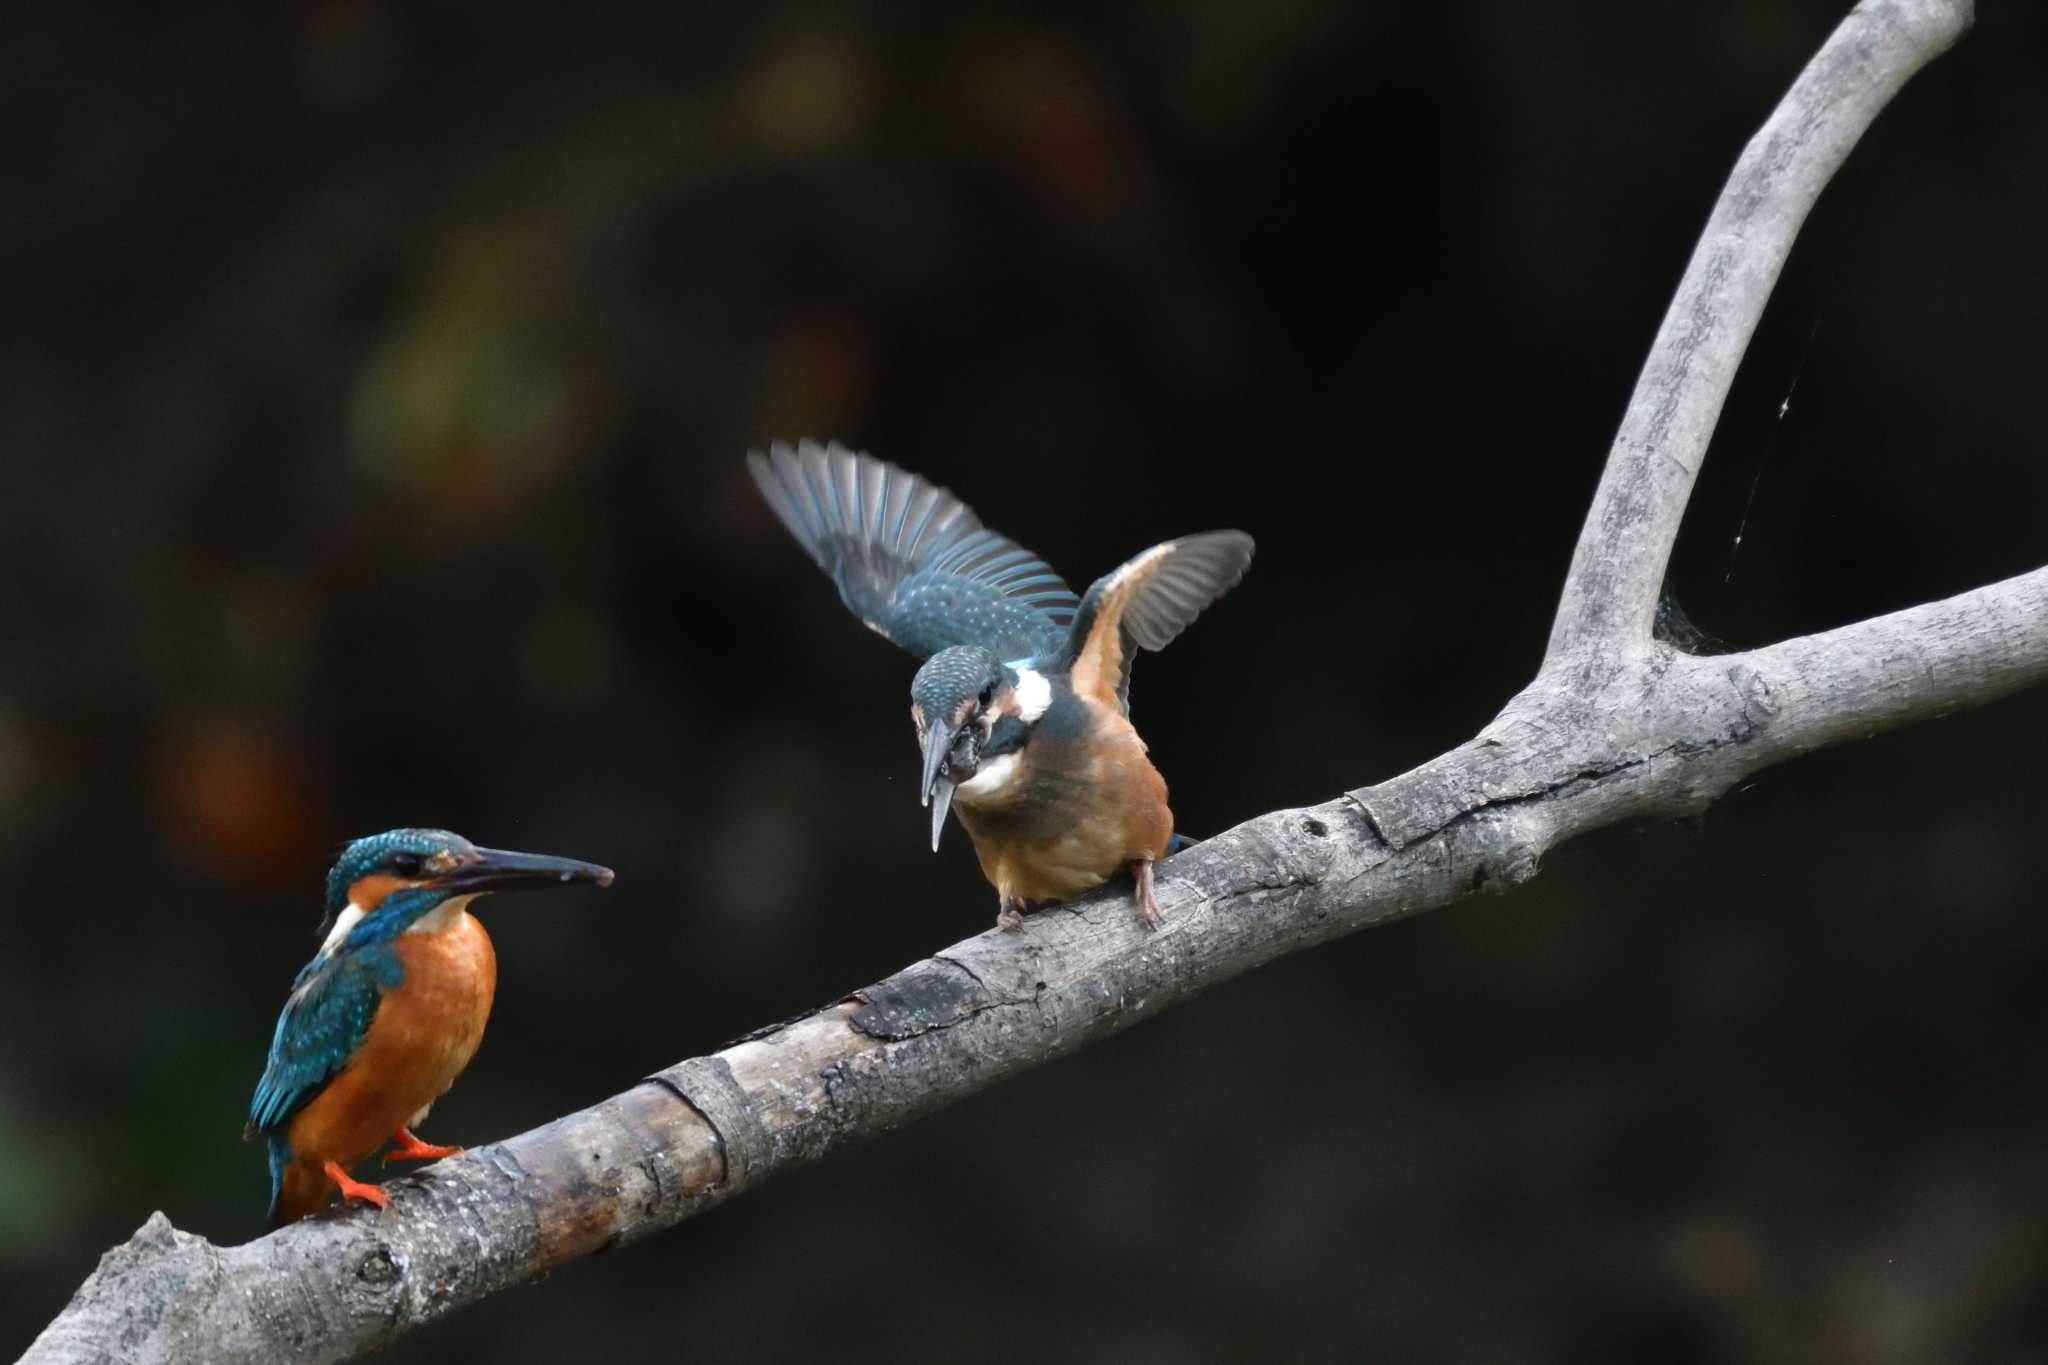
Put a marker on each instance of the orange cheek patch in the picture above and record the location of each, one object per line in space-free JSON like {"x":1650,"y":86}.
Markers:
{"x":369,"y":892}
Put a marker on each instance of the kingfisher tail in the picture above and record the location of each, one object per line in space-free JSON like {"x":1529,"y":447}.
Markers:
{"x":294,"y":1190}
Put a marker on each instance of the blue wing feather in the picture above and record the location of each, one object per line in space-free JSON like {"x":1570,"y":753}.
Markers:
{"x":332,"y":1003}
{"x":1151,"y":599}
{"x":910,"y":559}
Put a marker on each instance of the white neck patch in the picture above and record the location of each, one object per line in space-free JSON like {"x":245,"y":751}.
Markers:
{"x":351,"y":915}
{"x":436,"y":919}
{"x":1034,"y":694}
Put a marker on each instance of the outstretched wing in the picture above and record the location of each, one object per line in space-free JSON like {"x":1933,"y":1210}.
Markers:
{"x":1146,"y":603}
{"x":323,"y":1024}
{"x":910,"y":559}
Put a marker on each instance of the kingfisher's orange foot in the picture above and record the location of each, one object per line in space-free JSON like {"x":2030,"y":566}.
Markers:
{"x":1148,"y":904}
{"x":356,"y":1189}
{"x":406,"y":1147}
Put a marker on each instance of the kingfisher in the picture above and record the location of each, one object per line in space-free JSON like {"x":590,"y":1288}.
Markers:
{"x":389,"y":1011}
{"x":1022,"y":707}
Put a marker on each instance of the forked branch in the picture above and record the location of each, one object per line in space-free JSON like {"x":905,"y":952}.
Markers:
{"x":1616,"y":725}
{"x":1610,"y":594}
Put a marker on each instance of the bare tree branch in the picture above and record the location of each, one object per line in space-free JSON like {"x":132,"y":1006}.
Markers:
{"x":1616,"y":725}
{"x":1669,"y":737}
{"x":1610,"y":594}
{"x":992,"y":1006}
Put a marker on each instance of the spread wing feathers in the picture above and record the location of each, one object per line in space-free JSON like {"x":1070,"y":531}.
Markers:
{"x":910,"y":559}
{"x":330,"y":1009}
{"x":1148,"y":602}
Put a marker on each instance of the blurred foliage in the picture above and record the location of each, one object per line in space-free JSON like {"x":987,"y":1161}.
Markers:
{"x":381,"y":376}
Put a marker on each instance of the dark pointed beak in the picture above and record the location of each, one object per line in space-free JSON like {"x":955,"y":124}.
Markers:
{"x":499,"y":870}
{"x":937,"y":788}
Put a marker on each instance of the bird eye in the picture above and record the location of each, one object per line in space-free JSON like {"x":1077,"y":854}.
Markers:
{"x":406,"y":864}
{"x":987,"y":692}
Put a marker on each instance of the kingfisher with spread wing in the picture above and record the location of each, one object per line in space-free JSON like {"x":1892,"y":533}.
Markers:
{"x":1022,"y":707}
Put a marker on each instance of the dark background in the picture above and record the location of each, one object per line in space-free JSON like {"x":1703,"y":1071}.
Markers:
{"x":379,"y":380}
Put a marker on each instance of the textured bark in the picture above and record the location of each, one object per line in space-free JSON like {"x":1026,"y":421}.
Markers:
{"x":1615,"y":725}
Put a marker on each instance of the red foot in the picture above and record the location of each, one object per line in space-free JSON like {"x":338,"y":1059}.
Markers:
{"x":406,"y":1147}
{"x":1148,"y":905}
{"x":355,"y":1189}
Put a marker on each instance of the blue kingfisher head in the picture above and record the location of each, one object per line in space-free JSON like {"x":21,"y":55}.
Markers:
{"x":386,"y":884}
{"x":973,"y":713}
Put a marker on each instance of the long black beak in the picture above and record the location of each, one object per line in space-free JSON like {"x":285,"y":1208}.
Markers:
{"x":498,"y":870}
{"x":937,"y":788}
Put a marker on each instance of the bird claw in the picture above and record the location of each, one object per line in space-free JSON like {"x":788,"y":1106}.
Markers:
{"x":1148,"y":904}
{"x":1009,"y":918}
{"x":355,"y":1191}
{"x":406,"y":1147}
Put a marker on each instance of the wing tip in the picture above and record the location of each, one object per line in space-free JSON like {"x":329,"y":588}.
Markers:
{"x":1229,"y":541}
{"x":1223,"y":557}
{"x":872,"y":526}
{"x":825,"y":489}
{"x":1178,"y":580}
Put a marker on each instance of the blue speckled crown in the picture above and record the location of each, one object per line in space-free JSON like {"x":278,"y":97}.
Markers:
{"x":360,"y":858}
{"x":950,"y":677}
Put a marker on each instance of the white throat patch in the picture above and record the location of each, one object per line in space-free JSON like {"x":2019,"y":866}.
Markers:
{"x":989,"y":779}
{"x":1034,"y":694}
{"x":442,"y":915}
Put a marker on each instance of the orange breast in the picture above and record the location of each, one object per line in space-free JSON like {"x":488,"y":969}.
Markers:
{"x":1113,"y":814}
{"x":425,"y":1031}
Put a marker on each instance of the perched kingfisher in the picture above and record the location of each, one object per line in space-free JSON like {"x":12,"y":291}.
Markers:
{"x":1022,"y":707}
{"x":389,"y":1011}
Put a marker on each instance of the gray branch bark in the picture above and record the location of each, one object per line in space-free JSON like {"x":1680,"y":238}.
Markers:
{"x":1611,"y":592}
{"x":1616,"y":725}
